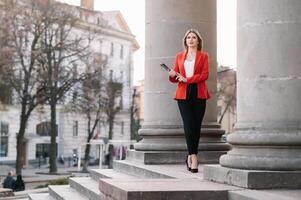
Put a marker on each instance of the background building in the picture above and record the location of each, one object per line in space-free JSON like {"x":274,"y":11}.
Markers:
{"x":226,"y":98}
{"x":117,"y":44}
{"x":139,"y":100}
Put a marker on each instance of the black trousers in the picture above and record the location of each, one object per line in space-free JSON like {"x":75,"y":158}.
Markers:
{"x":192,"y":112}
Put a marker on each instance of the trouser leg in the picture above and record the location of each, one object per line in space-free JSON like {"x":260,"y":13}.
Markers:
{"x":187,"y":115}
{"x":192,"y":112}
{"x":199,"y":108}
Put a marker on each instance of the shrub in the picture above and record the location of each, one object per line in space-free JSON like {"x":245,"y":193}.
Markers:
{"x":60,"y":181}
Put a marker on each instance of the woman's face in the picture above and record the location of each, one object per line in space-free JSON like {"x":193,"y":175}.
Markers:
{"x":192,"y":40}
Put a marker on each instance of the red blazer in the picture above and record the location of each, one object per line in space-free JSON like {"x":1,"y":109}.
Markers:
{"x":200,"y":75}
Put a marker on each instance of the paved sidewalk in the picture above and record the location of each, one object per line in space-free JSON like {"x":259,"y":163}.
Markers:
{"x":38,"y":176}
{"x":34,"y":177}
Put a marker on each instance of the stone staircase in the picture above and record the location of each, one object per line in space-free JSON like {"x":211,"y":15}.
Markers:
{"x":130,"y":180}
{"x":80,"y":188}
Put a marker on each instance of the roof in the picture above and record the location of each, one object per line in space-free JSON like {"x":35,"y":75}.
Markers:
{"x":117,"y":21}
{"x":116,"y":16}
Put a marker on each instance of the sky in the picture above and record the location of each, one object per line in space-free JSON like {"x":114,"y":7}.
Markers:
{"x":226,"y":33}
{"x":130,"y":9}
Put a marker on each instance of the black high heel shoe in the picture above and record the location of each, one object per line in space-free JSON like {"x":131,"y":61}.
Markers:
{"x":194,"y":170}
{"x":188,"y":168}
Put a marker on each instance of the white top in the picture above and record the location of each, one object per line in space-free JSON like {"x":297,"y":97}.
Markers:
{"x":189,"y":67}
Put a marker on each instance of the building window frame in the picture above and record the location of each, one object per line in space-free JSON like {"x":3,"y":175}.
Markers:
{"x":44,"y":128}
{"x":4,"y":137}
{"x":112,"y":49}
{"x":121,"y":51}
{"x":6,"y":96}
{"x":75,"y":128}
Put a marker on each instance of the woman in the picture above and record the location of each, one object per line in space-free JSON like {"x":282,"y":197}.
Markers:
{"x":191,"y":71}
{"x":19,"y":184}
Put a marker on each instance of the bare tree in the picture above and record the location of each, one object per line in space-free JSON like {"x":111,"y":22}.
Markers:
{"x":22,"y":29}
{"x":88,"y":99}
{"x":63,"y":43}
{"x":227,"y":91}
{"x":113,"y":102}
{"x":135,"y":121}
{"x":6,"y":54}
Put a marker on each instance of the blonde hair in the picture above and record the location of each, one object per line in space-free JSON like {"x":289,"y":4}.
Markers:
{"x":200,"y":40}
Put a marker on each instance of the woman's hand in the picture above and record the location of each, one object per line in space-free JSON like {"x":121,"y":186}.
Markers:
{"x":181,"y":78}
{"x":172,"y":73}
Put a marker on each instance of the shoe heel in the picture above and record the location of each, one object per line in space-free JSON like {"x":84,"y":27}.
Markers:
{"x":186,"y":161}
{"x":194,"y":170}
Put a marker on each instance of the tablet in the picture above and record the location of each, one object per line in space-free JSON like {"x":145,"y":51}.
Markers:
{"x":165,"y":67}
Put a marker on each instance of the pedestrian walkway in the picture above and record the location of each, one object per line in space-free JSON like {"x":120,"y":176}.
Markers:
{"x":36,"y":177}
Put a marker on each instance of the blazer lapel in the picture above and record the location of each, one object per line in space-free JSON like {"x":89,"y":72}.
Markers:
{"x":181,"y":63}
{"x":197,"y":62}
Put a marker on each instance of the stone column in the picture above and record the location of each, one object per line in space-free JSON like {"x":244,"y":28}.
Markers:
{"x":162,"y":130}
{"x":268,"y":129}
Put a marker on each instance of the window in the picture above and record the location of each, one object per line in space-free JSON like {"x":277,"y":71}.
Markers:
{"x":3,"y":139}
{"x":42,"y":150}
{"x":6,"y":94}
{"x":121,"y":76}
{"x":74,"y":96}
{"x":75,"y":128}
{"x":121,"y":102}
{"x":111,"y":75}
{"x":44,"y":128}
{"x":122,"y":128}
{"x":121,"y":52}
{"x":112,"y":49}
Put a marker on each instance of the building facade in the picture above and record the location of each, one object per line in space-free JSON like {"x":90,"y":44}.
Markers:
{"x":116,"y":42}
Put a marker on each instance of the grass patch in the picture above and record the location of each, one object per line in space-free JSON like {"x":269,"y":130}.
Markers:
{"x":60,"y":181}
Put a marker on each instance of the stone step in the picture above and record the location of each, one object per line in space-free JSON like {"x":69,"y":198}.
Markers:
{"x":40,"y":196}
{"x":65,"y":192}
{"x":162,"y":189}
{"x":136,"y":169}
{"x":253,"y":179}
{"x":97,"y":174}
{"x":15,"y":198}
{"x":87,"y":187}
{"x":264,"y":195}
{"x":24,"y":194}
{"x":174,"y":157}
{"x":156,"y":171}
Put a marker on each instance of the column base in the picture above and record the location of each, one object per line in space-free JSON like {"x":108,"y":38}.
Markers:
{"x":172,"y":157}
{"x":253,"y":179}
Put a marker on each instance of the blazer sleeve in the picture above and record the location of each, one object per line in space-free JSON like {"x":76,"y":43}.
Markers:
{"x":203,"y":76}
{"x":176,"y":68}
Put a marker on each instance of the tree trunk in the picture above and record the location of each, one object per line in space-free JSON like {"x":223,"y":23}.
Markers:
{"x":88,"y":146}
{"x":225,"y":110}
{"x":20,"y":138}
{"x":132,"y":116}
{"x":20,"y":146}
{"x":111,"y":126}
{"x":53,"y":133}
{"x":86,"y":158}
